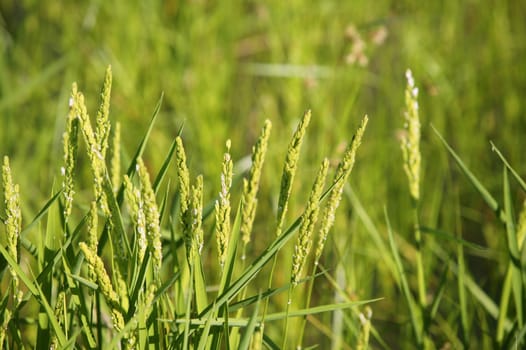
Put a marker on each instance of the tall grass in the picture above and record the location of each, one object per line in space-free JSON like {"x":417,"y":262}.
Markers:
{"x":136,"y":276}
{"x":123,"y":281}
{"x":113,"y":274}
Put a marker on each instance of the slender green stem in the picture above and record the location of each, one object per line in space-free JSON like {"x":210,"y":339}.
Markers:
{"x":99,"y":317}
{"x":286,"y":327}
{"x":419,"y":261}
{"x":243,"y":264}
{"x":307,"y":305}
{"x":461,"y":277}
{"x":188,"y":308}
{"x":422,"y":294}
{"x":267,"y":301}
{"x":235,"y":333}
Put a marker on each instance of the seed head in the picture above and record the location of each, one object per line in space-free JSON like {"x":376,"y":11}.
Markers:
{"x":251,"y":185}
{"x":136,"y":208}
{"x":151,"y":211}
{"x":13,"y":221}
{"x":95,"y":153}
{"x":308,"y":220}
{"x":182,"y":174}
{"x":103,"y":123}
{"x":102,"y":278}
{"x":222,"y":207}
{"x":340,"y":179}
{"x":289,"y":169}
{"x":411,"y":138}
{"x":70,"y":141}
{"x":196,"y":217}
{"x":116,"y":158}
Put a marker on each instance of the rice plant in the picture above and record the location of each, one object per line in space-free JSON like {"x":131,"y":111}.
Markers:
{"x":123,"y":262}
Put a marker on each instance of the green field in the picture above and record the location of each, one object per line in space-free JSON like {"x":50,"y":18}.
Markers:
{"x":426,"y":250}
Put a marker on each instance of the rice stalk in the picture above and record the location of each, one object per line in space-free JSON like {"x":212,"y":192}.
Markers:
{"x":251,"y":185}
{"x":94,"y":151}
{"x":93,"y":239}
{"x":196,"y":215}
{"x":365,"y":329}
{"x":183,"y":176}
{"x":411,"y":138}
{"x":103,"y":127}
{"x":60,"y":314}
{"x":289,"y":169}
{"x":341,"y":176}
{"x":196,"y":232}
{"x":13,"y":227}
{"x":135,"y":203}
{"x":340,"y":179}
{"x":304,"y":242}
{"x":115,"y":163}
{"x":410,"y":145}
{"x":287,"y":180}
{"x":6,"y":318}
{"x":70,"y":142}
{"x":152,"y":221}
{"x":103,"y":280}
{"x":13,"y":219}
{"x":308,"y":220}
{"x":223,"y":208}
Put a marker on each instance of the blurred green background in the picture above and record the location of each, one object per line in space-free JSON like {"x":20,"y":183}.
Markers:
{"x":225,"y":66}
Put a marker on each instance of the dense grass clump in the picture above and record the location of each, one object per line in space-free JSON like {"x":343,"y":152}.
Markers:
{"x":137,"y":274}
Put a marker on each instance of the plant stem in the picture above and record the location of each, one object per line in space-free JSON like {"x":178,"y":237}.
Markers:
{"x":307,"y":305}
{"x":285,"y":332}
{"x":267,"y":301}
{"x":419,"y":262}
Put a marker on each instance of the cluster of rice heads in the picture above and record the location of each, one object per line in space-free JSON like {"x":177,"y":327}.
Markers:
{"x":123,"y":264}
{"x":112,"y":275}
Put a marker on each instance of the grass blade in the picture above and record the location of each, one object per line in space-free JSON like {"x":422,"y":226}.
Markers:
{"x":450,"y":237}
{"x":243,"y":322}
{"x":504,"y":303}
{"x":346,"y":298}
{"x":204,"y":334}
{"x":318,"y":309}
{"x":439,"y":293}
{"x":138,"y":283}
{"x":116,"y":217}
{"x":513,"y":249}
{"x":27,"y":281}
{"x":373,"y":231}
{"x":162,"y":172}
{"x":255,"y":267}
{"x":512,"y":171}
{"x":416,"y":319}
{"x":42,"y":212}
{"x":250,"y":328}
{"x":79,"y":301}
{"x":231,"y":252}
{"x":478,"y":293}
{"x":201,"y":299}
{"x":142,"y":145}
{"x":462,"y":291}
{"x":140,"y":150}
{"x":488,"y":198}
{"x":37,"y":293}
